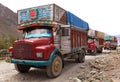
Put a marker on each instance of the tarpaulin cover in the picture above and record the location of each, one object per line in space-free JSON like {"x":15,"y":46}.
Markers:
{"x":76,"y":21}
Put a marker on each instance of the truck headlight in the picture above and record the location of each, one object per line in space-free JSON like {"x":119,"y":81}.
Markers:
{"x":39,"y":55}
{"x":10,"y":53}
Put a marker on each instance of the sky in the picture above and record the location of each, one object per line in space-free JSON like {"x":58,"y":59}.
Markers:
{"x":102,"y":15}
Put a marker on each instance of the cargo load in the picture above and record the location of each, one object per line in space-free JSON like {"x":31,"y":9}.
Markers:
{"x":100,"y":34}
{"x":95,"y":33}
{"x":91,"y":33}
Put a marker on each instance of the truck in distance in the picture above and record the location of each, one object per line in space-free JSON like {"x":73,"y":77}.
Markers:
{"x":110,"y":42}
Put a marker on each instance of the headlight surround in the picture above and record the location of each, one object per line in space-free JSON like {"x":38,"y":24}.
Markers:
{"x":10,"y":54}
{"x":39,"y":54}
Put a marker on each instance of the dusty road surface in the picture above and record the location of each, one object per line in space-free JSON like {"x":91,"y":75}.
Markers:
{"x":82,"y":71}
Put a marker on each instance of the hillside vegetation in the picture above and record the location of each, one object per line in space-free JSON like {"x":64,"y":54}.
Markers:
{"x":8,"y":27}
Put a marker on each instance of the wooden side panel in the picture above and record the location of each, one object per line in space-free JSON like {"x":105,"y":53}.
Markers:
{"x":79,"y":41}
{"x":75,"y":34}
{"x":78,"y":38}
{"x":83,"y":38}
{"x":101,"y":41}
{"x":74,"y":41}
{"x":71,"y":39}
{"x":86,"y":38}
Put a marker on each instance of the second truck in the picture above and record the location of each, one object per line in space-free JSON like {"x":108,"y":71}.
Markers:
{"x":95,"y":41}
{"x":50,"y":35}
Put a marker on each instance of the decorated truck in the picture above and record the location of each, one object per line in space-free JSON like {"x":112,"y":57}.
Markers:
{"x":110,"y":42}
{"x":95,"y":41}
{"x":50,"y":36}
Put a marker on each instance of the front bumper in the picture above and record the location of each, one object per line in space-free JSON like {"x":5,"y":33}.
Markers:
{"x":31,"y":62}
{"x":91,"y":48}
{"x":28,"y":62}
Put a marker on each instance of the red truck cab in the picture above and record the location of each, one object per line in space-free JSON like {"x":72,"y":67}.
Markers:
{"x":37,"y":40}
{"x":91,"y":45}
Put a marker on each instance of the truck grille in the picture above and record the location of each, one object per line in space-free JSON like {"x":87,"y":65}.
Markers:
{"x":22,"y":50}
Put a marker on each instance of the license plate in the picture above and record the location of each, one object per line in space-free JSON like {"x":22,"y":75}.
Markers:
{"x":8,"y":59}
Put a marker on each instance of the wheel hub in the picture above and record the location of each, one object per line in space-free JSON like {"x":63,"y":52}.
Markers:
{"x":56,"y":66}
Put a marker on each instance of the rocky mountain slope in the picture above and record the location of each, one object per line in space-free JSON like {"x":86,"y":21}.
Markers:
{"x":8,"y":22}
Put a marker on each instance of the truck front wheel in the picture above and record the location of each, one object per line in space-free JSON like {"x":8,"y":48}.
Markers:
{"x":100,"y":50}
{"x":22,"y":68}
{"x":95,"y":51}
{"x":55,"y":68}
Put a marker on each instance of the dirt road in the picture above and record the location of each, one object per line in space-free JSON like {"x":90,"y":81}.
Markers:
{"x":71,"y":70}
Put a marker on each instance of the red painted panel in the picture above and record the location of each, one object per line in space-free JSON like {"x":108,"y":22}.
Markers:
{"x":33,"y":13}
{"x":79,"y":38}
{"x":72,"y":38}
{"x":75,"y":38}
{"x":101,"y":41}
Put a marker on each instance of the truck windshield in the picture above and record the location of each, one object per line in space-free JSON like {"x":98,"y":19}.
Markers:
{"x":38,"y":32}
{"x":90,"y":40}
{"x":107,"y":42}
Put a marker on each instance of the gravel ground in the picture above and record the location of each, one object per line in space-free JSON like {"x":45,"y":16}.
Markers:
{"x":103,"y":67}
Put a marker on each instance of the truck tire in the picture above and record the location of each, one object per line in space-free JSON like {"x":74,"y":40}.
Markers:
{"x":100,"y":50}
{"x":55,"y":68}
{"x":22,"y":68}
{"x":81,"y":56}
{"x":95,"y":52}
{"x":89,"y":51}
